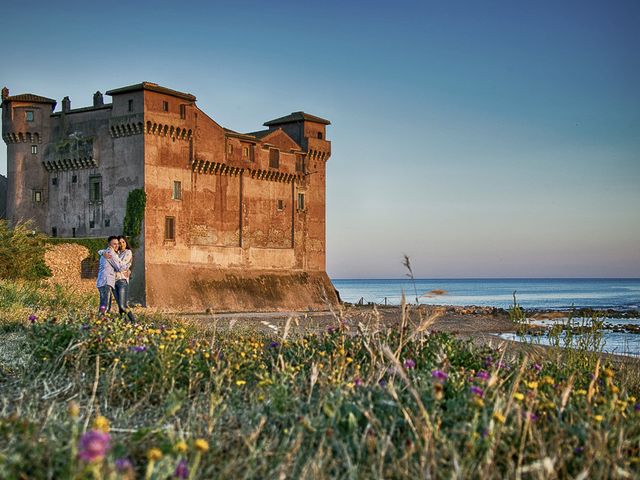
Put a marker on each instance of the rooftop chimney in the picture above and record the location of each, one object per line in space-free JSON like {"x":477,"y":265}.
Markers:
{"x":5,"y":93}
{"x":66,"y":104}
{"x":98,"y":100}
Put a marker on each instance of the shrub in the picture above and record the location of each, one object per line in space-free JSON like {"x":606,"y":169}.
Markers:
{"x":22,"y":252}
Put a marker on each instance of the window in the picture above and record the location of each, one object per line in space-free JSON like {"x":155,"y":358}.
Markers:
{"x":183,"y":111}
{"x":248,"y":153}
{"x":95,"y":188}
{"x":280,"y":204}
{"x":54,"y":181}
{"x":300,"y":202}
{"x":170,"y":229}
{"x":37,"y":196}
{"x":73,"y":232}
{"x":74,"y":179}
{"x":107,"y":222}
{"x":299,"y":163}
{"x":29,"y":115}
{"x":34,"y":149}
{"x":165,"y":106}
{"x":177,"y":190}
{"x":92,"y":224}
{"x":54,"y":231}
{"x":230,"y":149}
{"x":131,"y":105}
{"x":245,"y":152}
{"x":274,"y":158}
{"x":320,"y":135}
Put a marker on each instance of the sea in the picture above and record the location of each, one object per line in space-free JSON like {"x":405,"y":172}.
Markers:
{"x":619,"y":294}
{"x":531,"y":293}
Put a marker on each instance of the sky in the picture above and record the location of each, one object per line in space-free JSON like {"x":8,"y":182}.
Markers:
{"x":480,"y":138}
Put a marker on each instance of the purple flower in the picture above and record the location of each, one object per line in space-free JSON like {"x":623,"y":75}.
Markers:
{"x":123,"y":465}
{"x":182,"y":470}
{"x":409,"y":363}
{"x":537,"y":367}
{"x":138,"y":348}
{"x":357,"y":381}
{"x":93,"y":445}
{"x":382,"y":382}
{"x":482,"y":375}
{"x":85,"y":326}
{"x":439,"y":375}
{"x":636,"y":407}
{"x":331,"y":330}
{"x":488,"y":361}
{"x":33,"y":318}
{"x":274,"y":345}
{"x":477,"y":391}
{"x":103,"y":308}
{"x":531,"y":416}
{"x":578,"y":450}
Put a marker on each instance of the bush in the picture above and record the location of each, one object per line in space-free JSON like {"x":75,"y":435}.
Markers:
{"x":22,"y":252}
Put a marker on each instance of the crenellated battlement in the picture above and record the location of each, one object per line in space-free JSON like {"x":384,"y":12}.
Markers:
{"x":21,"y":137}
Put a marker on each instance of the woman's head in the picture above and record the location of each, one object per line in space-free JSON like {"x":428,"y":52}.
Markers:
{"x":124,"y":244}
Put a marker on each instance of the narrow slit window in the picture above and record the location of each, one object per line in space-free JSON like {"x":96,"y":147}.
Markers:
{"x":37,"y":196}
{"x":95,"y":189}
{"x":29,"y":115}
{"x":177,"y":190}
{"x":183,"y":111}
{"x":34,"y":149}
{"x":131,"y":105}
{"x":165,"y":106}
{"x":54,"y":231}
{"x":170,"y":228}
{"x":54,"y":181}
{"x":300,"y":202}
{"x":280,"y":205}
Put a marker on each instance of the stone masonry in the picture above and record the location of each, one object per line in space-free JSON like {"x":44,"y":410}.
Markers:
{"x":233,"y":222}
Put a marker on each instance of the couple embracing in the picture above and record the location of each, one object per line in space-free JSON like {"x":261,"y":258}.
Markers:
{"x":113,"y":275}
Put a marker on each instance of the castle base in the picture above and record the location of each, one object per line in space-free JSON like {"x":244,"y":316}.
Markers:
{"x":188,"y":288}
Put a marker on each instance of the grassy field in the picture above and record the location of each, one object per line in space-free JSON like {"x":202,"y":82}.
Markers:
{"x":89,"y":397}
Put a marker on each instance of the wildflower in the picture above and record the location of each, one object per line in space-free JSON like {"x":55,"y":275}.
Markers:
{"x":140,"y":348}
{"x":615,"y":389}
{"x":578,"y":450}
{"x":537,"y":367}
{"x":101,"y":423}
{"x":74,"y":409}
{"x":439,"y":375}
{"x":240,"y":382}
{"x":154,"y":454}
{"x":182,"y":470}
{"x":532,"y":385}
{"x":124,"y":465}
{"x":180,"y":447}
{"x":531,"y":416}
{"x":607,"y":372}
{"x":636,"y":407}
{"x":580,"y":391}
{"x":548,"y":380}
{"x":33,"y":318}
{"x":498,"y":417}
{"x":518,"y":396}
{"x":409,"y":363}
{"x":93,"y":446}
{"x":357,"y":381}
{"x":274,"y":345}
{"x":201,"y":445}
{"x":482,"y":375}
{"x":598,"y":418}
{"x":477,"y":391}
{"x":478,"y":402}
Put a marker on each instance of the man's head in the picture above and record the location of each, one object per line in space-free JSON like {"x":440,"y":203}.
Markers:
{"x":112,"y":241}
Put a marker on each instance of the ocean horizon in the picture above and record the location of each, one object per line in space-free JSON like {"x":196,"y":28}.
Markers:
{"x":533,"y":293}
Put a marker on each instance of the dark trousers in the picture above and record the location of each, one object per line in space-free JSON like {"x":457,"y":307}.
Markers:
{"x":105,"y":297}
{"x":122,"y":298}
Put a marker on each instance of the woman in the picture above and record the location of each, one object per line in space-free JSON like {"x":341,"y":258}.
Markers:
{"x":122,"y":279}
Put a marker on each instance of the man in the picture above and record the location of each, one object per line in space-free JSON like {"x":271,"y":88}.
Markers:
{"x":109,"y":264}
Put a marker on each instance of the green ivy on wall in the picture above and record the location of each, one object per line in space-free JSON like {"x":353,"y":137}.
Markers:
{"x":134,"y":215}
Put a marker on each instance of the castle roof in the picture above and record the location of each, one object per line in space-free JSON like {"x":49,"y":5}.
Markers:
{"x":260,"y":133}
{"x":29,"y":97}
{"x":296,"y":117}
{"x":153,"y":87}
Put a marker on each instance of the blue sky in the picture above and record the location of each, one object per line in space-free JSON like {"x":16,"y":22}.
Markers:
{"x":483,"y":139}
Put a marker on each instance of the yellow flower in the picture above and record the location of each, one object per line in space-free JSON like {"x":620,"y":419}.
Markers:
{"x":615,"y":389}
{"x":607,"y":372}
{"x":240,"y":382}
{"x":201,"y":445}
{"x":548,"y":379}
{"x":498,"y":417}
{"x":181,"y":447}
{"x":532,"y":385}
{"x":74,"y":409}
{"x":101,"y":423}
{"x":632,"y":399}
{"x":518,"y":396}
{"x":478,"y":402}
{"x":154,"y":454}
{"x":598,"y":418}
{"x":581,"y":392}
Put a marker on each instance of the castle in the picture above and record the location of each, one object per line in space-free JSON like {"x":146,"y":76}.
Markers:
{"x":233,"y":221}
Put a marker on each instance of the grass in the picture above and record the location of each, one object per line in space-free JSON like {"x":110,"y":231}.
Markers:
{"x":180,"y":401}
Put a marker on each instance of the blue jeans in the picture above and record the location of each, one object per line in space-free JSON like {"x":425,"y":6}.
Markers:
{"x":122,"y":297}
{"x":105,"y":297}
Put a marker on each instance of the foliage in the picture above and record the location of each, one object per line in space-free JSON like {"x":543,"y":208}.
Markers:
{"x":370,"y":402}
{"x":22,"y":252}
{"x":136,"y":201}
